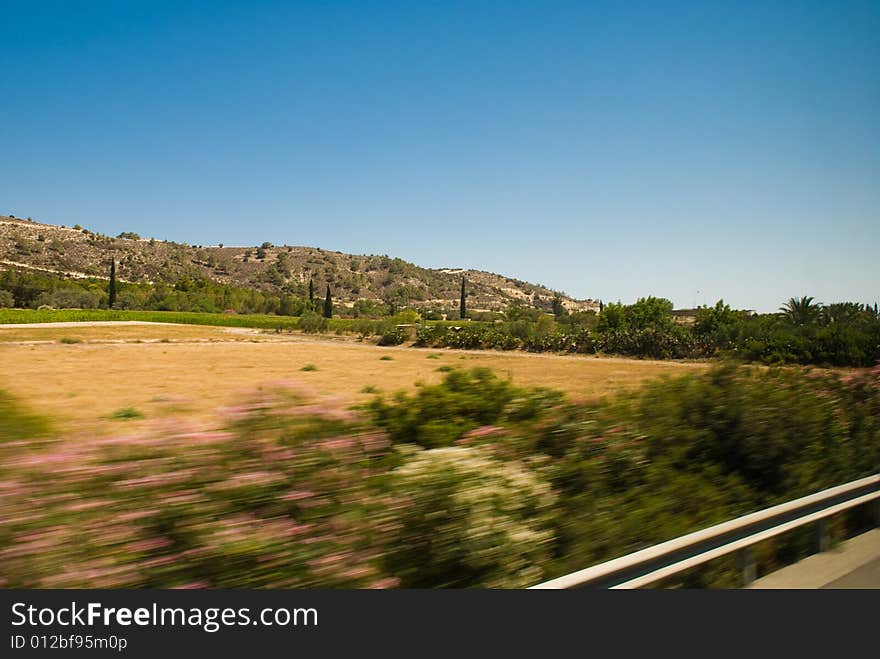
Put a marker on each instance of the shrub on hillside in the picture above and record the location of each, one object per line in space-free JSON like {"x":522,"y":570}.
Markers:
{"x":69,"y":298}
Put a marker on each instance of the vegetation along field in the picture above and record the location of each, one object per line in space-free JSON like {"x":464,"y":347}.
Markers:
{"x":81,"y":374}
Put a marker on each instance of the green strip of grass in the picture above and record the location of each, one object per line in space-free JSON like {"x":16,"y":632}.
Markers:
{"x":258,"y":321}
{"x":263,"y":321}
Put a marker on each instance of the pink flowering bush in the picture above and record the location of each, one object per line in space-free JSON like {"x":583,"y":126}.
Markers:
{"x":281,"y":498}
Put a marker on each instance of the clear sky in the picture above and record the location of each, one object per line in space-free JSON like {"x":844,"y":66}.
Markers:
{"x":692,"y":150}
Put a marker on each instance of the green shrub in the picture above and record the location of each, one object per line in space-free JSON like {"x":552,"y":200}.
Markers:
{"x":309,"y":367}
{"x":431,"y":335}
{"x":688,"y":452}
{"x":440,"y":414}
{"x":65,"y":298}
{"x":393,"y":338}
{"x":126,"y":413}
{"x":313,"y":323}
{"x":467,"y":520}
{"x":364,"y":328}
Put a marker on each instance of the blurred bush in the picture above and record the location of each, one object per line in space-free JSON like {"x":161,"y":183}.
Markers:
{"x":684,"y":453}
{"x":467,"y":520}
{"x":279,"y":499}
{"x":17,"y":422}
{"x":439,"y":415}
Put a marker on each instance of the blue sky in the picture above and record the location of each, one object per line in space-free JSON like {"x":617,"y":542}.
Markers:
{"x":692,"y":150}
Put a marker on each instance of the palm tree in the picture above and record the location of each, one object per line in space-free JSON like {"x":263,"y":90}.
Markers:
{"x":843,"y":312}
{"x":801,"y":311}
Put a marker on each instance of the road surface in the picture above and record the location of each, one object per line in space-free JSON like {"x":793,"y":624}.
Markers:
{"x":853,"y":564}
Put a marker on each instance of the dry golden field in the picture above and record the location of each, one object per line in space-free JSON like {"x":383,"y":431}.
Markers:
{"x":189,"y":371}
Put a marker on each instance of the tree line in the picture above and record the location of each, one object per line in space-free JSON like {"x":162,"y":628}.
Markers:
{"x":802,"y":331}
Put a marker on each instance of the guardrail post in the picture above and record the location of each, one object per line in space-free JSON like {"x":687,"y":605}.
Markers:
{"x":823,"y":536}
{"x":747,"y":565}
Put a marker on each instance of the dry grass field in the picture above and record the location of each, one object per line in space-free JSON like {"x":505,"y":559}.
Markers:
{"x":81,"y":375}
{"x":117,"y":332}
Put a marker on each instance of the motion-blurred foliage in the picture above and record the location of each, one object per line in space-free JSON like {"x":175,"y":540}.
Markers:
{"x":17,"y":423}
{"x":466,"y":519}
{"x":470,"y":483}
{"x":441,"y":414}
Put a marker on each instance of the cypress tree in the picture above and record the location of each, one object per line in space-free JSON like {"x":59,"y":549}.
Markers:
{"x":328,"y":304}
{"x":462,"y":311}
{"x":311,"y":295}
{"x":111,"y":292}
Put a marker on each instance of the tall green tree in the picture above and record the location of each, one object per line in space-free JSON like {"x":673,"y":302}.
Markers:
{"x":311,"y":294}
{"x":328,"y":304}
{"x":613,"y":317}
{"x":462,"y":311}
{"x":649,"y":312}
{"x":710,"y":319}
{"x":111,"y":292}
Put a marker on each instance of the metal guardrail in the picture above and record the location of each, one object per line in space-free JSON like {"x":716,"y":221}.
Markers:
{"x":649,"y":565}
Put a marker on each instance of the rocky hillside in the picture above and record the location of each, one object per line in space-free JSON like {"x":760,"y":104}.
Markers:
{"x":77,"y":252}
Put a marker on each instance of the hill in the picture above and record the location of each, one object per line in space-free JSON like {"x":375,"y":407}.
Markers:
{"x":276,"y":269}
